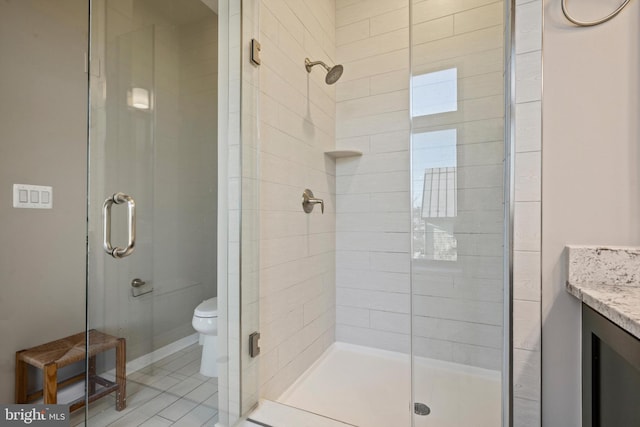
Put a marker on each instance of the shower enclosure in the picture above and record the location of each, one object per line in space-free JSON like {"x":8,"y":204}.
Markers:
{"x":391,"y":305}
{"x":392,"y":308}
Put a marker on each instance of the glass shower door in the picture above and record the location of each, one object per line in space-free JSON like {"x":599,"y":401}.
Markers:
{"x":153,"y":206}
{"x":458,"y":213}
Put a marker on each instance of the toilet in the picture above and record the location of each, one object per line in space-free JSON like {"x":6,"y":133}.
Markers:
{"x":205,"y":322}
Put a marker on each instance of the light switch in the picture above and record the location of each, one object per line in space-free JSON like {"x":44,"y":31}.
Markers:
{"x":32,"y":196}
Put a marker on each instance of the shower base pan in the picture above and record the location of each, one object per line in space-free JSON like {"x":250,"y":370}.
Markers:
{"x":369,"y":387}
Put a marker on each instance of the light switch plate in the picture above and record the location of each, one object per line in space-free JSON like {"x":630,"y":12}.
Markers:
{"x":32,"y":196}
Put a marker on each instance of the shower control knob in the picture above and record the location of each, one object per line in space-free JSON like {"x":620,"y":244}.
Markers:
{"x":136,"y":283}
{"x":308,"y":201}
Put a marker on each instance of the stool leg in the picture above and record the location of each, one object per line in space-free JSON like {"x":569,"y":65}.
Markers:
{"x":50,"y":384}
{"x":121,"y":374}
{"x":21,"y":379}
{"x":92,"y":375}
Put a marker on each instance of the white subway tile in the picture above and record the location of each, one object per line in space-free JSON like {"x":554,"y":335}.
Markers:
{"x":390,"y":82}
{"x":373,"y":124}
{"x":526,"y":413}
{"x":432,"y":349}
{"x":479,"y":18}
{"x":349,"y":260}
{"x":527,"y":224}
{"x":428,"y":10}
{"x":373,"y":183}
{"x":397,"y":201}
{"x":467,"y":311}
{"x":460,"y":45}
{"x":357,"y":202}
{"x":372,"y":105}
{"x":528,"y":77}
{"x":352,"y":316}
{"x":432,"y":30}
{"x":373,"y":280}
{"x":528,"y":27}
{"x":528,"y":179}
{"x":367,"y":9}
{"x":375,"y":241}
{"x":316,"y":307}
{"x":352,"y":89}
{"x":377,"y":221}
{"x":389,"y":261}
{"x":373,"y":300}
{"x":269,"y":25}
{"x":352,"y":32}
{"x":480,"y":176}
{"x":374,"y":46}
{"x":391,"y":322}
{"x":528,"y":127}
{"x":460,"y":332}
{"x":449,"y":286}
{"x":390,"y":21}
{"x":373,"y":163}
{"x":367,"y":67}
{"x":385,"y":142}
{"x":286,"y":17}
{"x":484,"y":357}
{"x":372,"y":338}
{"x":526,"y":325}
{"x":526,"y":374}
{"x":526,"y":276}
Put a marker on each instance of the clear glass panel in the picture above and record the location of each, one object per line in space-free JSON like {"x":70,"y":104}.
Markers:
{"x":155,"y":94}
{"x":458,"y":212}
{"x":238,"y":286}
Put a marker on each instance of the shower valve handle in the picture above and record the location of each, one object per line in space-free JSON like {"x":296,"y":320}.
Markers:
{"x":308,"y":201}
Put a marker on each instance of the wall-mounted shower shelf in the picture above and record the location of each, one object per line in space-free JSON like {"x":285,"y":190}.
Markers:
{"x":339,"y":154}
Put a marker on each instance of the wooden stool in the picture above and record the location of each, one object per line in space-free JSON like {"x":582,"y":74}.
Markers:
{"x":56,"y":354}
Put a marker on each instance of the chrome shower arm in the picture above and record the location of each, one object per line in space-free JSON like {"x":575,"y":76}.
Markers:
{"x":308,"y":64}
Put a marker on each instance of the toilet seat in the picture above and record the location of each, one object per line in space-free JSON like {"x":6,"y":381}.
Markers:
{"x":207,"y":308}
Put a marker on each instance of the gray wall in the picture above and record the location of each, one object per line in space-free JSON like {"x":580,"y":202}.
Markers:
{"x":42,"y":141}
{"x":590,"y":173}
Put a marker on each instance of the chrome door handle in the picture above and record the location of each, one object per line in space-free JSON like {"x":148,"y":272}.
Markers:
{"x":118,"y":199}
{"x":308,"y":201}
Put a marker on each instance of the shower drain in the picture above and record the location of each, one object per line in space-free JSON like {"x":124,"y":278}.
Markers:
{"x":421,"y":409}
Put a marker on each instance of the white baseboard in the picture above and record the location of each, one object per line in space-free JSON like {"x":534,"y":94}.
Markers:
{"x":150,"y":358}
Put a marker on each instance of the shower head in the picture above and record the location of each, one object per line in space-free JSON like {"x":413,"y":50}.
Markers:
{"x":333,"y":73}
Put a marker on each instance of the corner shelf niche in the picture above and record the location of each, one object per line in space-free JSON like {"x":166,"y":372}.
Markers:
{"x":339,"y":154}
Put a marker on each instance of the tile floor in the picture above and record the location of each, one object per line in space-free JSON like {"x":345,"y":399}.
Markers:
{"x":170,"y":392}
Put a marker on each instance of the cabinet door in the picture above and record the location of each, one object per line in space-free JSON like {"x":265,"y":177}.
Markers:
{"x":611,"y":373}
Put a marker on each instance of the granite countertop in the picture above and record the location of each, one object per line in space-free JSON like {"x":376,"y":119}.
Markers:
{"x":607,"y":279}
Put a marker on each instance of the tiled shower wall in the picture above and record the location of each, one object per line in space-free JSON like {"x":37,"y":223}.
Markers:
{"x":372,"y":253}
{"x":527,"y":323}
{"x":457,"y":306}
{"x":297,"y":125}
{"x":372,"y":219}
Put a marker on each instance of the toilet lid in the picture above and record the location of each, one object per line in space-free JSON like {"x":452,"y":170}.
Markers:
{"x":207,"y":308}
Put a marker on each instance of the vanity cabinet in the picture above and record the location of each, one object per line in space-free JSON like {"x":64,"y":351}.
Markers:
{"x":610,"y":373}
